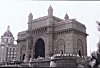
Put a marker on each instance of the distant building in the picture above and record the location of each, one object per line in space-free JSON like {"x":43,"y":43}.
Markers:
{"x":8,"y":50}
{"x":48,"y":35}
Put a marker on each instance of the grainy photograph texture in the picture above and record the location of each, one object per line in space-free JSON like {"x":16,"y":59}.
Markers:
{"x":50,"y":34}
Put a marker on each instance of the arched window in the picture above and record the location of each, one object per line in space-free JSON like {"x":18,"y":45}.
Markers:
{"x":80,"y":47}
{"x":60,"y":45}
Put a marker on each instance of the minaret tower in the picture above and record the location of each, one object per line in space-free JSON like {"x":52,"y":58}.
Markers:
{"x":51,"y":31}
{"x":29,"y":38}
{"x":50,"y":11}
{"x":66,"y":17}
{"x":30,"y":19}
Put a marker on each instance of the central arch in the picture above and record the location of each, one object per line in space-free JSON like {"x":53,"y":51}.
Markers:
{"x":39,"y":48}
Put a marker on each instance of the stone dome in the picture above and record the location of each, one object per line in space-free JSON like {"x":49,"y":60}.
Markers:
{"x":8,"y":33}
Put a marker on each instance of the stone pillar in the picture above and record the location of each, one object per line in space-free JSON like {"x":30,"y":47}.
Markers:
{"x":29,"y":43}
{"x":50,"y":31}
{"x":50,"y":41}
{"x":33,"y":47}
{"x":27,"y":50}
{"x":26,"y":54}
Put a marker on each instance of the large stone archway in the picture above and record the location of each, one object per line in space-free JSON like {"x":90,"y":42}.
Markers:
{"x":39,"y":48}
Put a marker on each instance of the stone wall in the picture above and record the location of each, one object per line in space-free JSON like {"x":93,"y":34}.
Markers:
{"x":40,"y":63}
{"x":67,"y":61}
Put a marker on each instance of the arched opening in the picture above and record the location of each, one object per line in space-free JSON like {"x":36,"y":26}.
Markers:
{"x":23,"y":57}
{"x":39,"y":48}
{"x":80,"y":47}
{"x":60,"y":46}
{"x":79,"y":53}
{"x":61,"y":52}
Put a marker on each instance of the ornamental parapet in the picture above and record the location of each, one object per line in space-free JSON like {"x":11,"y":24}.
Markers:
{"x":19,"y":40}
{"x":70,"y":30}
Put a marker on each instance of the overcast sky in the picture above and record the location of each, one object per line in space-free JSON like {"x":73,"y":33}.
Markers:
{"x":15,"y":14}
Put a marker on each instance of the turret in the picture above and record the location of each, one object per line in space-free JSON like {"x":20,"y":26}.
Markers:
{"x":50,"y":11}
{"x":66,"y":17}
{"x":30,"y":19}
{"x":8,"y":28}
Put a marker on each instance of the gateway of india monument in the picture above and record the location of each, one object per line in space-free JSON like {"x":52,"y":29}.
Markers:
{"x":51,"y":40}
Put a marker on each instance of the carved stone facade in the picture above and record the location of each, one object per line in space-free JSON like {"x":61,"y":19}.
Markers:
{"x":49,"y":34}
